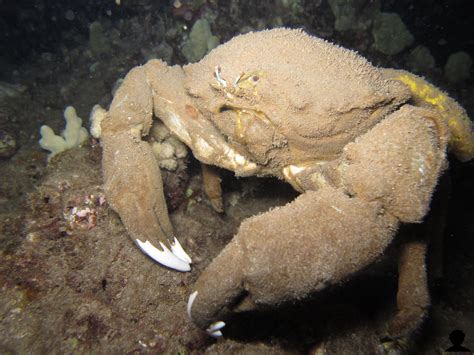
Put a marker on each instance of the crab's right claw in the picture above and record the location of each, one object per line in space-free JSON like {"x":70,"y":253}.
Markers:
{"x":132,"y":178}
{"x":141,"y":204}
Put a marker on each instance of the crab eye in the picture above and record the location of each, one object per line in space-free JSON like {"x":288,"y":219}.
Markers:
{"x":225,"y":108}
{"x":255,"y":78}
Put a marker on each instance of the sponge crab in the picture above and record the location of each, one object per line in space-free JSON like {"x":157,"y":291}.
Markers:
{"x":365,"y":146}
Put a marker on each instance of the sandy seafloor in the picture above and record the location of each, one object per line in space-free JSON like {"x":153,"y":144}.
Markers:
{"x":84,"y":287}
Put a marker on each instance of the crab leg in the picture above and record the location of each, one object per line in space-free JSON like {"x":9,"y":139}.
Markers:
{"x":133,"y":183}
{"x":413,"y":298}
{"x":212,"y":186}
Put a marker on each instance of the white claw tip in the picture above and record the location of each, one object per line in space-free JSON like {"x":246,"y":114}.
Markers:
{"x":164,"y":257}
{"x":178,"y":250}
{"x":214,"y":329}
{"x":216,"y":334}
{"x":192,"y":297}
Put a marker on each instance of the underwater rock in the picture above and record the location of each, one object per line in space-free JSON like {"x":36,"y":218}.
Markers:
{"x":162,"y":51}
{"x":391,"y":36}
{"x":98,"y":42}
{"x":10,"y":90}
{"x":69,"y":15}
{"x":200,"y":41}
{"x":420,"y":59}
{"x":292,"y":8}
{"x":353,"y":14}
{"x":458,"y":67}
{"x":8,"y":144}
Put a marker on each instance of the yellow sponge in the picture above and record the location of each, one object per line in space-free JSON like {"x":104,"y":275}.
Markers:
{"x":461,"y":142}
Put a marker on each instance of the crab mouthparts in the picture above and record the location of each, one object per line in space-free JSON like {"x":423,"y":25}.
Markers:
{"x":209,"y":146}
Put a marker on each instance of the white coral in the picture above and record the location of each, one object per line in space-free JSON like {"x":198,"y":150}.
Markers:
{"x":95,"y":118}
{"x":73,"y":134}
{"x":166,"y":148}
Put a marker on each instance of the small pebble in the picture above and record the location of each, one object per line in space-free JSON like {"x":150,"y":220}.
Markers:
{"x":69,"y":15}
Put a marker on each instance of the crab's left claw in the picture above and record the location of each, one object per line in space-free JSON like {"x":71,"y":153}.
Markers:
{"x":289,"y":252}
{"x":387,"y":176}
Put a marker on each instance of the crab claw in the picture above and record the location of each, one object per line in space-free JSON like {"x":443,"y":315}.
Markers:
{"x":176,"y":258}
{"x":288,"y":253}
{"x":132,"y":177}
{"x":214,"y":330}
